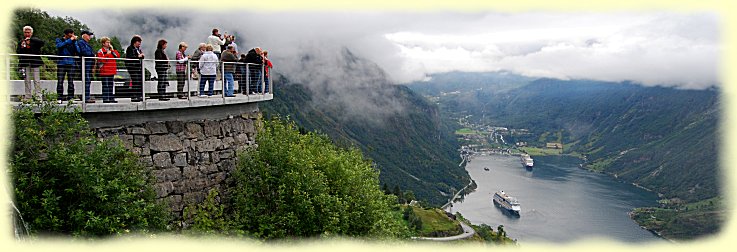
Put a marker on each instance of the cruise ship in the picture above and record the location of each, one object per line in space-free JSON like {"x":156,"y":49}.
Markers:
{"x":507,"y":202}
{"x":527,"y":161}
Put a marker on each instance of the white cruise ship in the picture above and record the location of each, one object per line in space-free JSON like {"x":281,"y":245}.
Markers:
{"x":506,"y":202}
{"x":527,"y":160}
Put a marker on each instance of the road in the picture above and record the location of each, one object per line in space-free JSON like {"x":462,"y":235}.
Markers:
{"x":467,"y":232}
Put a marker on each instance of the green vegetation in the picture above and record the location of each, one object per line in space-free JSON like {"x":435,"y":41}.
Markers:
{"x":66,"y":181}
{"x":432,"y":222}
{"x":466,"y":131}
{"x":487,"y":234}
{"x":534,"y":151}
{"x":414,"y":149}
{"x":683,"y":221}
{"x":663,"y":139}
{"x":48,"y":28}
{"x":301,"y":185}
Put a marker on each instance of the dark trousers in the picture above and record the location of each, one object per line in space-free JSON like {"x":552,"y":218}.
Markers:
{"x":254,"y":79}
{"x":137,"y":83}
{"x":107,"y":88}
{"x":181,"y":78}
{"x":87,"y":79}
{"x":163,"y":82}
{"x":68,"y":71}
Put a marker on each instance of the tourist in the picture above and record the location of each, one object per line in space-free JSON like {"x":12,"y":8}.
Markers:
{"x":232,"y":42}
{"x":241,"y":70}
{"x":267,"y":66}
{"x":254,"y":60}
{"x":181,"y":69}
{"x":196,"y":58}
{"x":216,"y":40}
{"x":134,"y":64}
{"x":162,"y":67}
{"x":85,"y":50}
{"x":107,"y":68}
{"x":65,"y":47}
{"x":30,"y":45}
{"x":229,"y":60}
{"x":208,"y":69}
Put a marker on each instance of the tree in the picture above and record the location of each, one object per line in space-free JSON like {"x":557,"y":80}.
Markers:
{"x":301,"y":185}
{"x":66,"y":181}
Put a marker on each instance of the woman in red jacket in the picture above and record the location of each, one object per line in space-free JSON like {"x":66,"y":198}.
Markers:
{"x":107,"y":69}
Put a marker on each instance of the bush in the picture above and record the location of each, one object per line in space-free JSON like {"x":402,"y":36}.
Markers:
{"x":69,"y":182}
{"x":302,"y":185}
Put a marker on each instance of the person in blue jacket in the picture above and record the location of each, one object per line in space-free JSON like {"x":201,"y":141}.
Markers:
{"x":85,"y":50}
{"x":65,"y":46}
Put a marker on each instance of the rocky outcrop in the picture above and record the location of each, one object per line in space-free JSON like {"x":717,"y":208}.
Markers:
{"x":187,"y":158}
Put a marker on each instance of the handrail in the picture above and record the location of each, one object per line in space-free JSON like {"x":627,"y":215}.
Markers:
{"x":243,"y":72}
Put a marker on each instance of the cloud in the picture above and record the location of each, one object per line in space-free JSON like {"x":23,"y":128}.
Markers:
{"x":653,"y":48}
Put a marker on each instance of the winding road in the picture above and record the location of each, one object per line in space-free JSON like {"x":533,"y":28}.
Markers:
{"x":467,"y":232}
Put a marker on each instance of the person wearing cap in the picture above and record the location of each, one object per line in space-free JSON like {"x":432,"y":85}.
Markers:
{"x":85,"y":50}
{"x":30,"y":45}
{"x":67,"y":48}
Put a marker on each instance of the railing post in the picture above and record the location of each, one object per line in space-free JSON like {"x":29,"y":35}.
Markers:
{"x":222,"y":78}
{"x":7,"y":67}
{"x":248,"y":79}
{"x":84,"y":85}
{"x":263,"y":85}
{"x":188,"y":75}
{"x":143,"y":84}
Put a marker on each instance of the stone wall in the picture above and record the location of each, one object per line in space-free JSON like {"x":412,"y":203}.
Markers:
{"x":187,"y":158}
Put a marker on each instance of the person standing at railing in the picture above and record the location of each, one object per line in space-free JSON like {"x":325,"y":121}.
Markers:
{"x":30,"y":45}
{"x":196,"y":58}
{"x":254,"y":69}
{"x":181,"y":69}
{"x":216,"y":40}
{"x":108,"y":68}
{"x":65,"y":47}
{"x":229,"y":59}
{"x":134,"y":63}
{"x":162,"y":69}
{"x":241,"y":69}
{"x":85,"y":50}
{"x":232,"y":42}
{"x":267,"y":67}
{"x":208,"y":69}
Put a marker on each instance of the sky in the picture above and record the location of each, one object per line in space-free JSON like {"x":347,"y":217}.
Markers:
{"x":678,"y":49}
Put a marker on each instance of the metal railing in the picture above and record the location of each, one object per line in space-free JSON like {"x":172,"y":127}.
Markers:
{"x":160,"y":81}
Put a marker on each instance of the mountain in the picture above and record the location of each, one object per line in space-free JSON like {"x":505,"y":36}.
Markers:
{"x":397,"y":128}
{"x":664,"y":139}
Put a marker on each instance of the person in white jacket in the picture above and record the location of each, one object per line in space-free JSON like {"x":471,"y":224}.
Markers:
{"x":208,"y":69}
{"x":215,"y":40}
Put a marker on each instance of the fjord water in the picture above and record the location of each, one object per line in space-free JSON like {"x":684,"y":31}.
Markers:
{"x":560,"y":201}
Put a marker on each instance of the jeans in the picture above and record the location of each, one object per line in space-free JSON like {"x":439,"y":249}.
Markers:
{"x":35,"y":73}
{"x":107,"y":88}
{"x":68,"y":71}
{"x":207,"y":78}
{"x":87,"y":79}
{"x":229,"y":83}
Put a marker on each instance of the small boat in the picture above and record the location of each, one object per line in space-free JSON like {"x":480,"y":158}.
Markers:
{"x":486,"y":168}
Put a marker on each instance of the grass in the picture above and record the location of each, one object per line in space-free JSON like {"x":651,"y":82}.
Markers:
{"x":434,"y":220}
{"x":534,"y":151}
{"x":466,"y":131}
